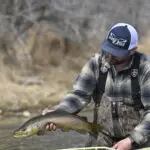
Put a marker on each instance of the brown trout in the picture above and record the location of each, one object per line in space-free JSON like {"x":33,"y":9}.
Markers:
{"x":62,"y":120}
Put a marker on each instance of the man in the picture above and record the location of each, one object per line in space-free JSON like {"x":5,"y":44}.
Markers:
{"x":125,"y":124}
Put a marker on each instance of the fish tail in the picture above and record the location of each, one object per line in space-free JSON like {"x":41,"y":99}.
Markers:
{"x":95,"y":128}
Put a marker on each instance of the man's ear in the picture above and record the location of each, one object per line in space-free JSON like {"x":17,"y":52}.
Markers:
{"x":132,"y":51}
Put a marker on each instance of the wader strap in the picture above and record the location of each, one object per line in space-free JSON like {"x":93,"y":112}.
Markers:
{"x":135,"y":87}
{"x":97,"y":95}
{"x":98,"y":92}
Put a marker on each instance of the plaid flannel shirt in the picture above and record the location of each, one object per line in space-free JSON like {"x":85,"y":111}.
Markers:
{"x":117,"y":85}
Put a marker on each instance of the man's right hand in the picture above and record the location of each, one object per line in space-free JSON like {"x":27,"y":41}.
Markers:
{"x":50,"y":126}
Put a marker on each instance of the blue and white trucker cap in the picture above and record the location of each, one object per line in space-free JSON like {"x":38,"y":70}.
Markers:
{"x":120,"y":40}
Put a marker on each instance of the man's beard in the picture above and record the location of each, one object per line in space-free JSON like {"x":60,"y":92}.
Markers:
{"x":118,"y":62}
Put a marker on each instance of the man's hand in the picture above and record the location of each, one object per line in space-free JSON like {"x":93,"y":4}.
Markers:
{"x":49,"y":126}
{"x":125,"y":144}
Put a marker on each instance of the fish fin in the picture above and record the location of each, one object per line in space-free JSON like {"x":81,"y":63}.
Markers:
{"x":65,"y":130}
{"x":41,"y":133}
{"x":81,"y":132}
{"x":95,"y":128}
{"x":85,"y":118}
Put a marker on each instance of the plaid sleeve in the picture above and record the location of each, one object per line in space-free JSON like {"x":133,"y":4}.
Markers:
{"x":82,"y":89}
{"x":141,"y":132}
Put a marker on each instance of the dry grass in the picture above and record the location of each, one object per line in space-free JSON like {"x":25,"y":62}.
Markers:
{"x":145,"y":46}
{"x":17,"y":95}
{"x":41,"y":76}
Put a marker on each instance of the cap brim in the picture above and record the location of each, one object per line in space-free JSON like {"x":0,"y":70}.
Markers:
{"x":115,"y":51}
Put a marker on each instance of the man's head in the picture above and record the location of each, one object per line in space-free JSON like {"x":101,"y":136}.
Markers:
{"x":120,"y":43}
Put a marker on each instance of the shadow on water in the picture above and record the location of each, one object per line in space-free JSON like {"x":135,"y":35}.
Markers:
{"x":50,"y":141}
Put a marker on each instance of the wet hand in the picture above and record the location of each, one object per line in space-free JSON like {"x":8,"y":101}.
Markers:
{"x":49,"y":126}
{"x":125,"y":144}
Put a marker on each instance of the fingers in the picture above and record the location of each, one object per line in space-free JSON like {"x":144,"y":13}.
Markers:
{"x":51,"y":127}
{"x":46,"y":110}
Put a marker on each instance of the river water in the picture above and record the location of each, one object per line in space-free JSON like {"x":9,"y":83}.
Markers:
{"x":50,"y":141}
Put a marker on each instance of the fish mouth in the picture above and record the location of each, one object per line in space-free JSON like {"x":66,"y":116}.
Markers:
{"x":27,"y":133}
{"x":20,"y":134}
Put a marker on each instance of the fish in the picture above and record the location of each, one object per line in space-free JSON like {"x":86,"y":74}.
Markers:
{"x":63,"y":120}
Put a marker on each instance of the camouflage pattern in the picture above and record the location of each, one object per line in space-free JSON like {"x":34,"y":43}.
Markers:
{"x":128,"y":117}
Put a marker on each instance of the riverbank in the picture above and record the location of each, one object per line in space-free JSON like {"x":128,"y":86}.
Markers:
{"x":34,"y":92}
{"x":23,"y":95}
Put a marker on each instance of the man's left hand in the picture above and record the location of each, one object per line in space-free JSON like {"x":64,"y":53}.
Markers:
{"x":125,"y":144}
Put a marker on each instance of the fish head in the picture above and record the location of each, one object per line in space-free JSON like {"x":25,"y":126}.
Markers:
{"x":26,"y":131}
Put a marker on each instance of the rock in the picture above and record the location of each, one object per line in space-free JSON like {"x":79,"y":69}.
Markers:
{"x":26,"y":113}
{"x":1,"y":111}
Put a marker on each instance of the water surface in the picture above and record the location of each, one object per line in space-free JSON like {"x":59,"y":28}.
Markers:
{"x":50,"y":141}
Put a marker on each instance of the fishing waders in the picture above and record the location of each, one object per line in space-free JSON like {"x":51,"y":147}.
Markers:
{"x":101,"y":76}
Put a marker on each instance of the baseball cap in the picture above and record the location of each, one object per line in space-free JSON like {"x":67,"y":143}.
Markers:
{"x":120,"y":39}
